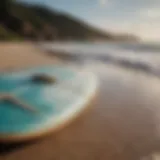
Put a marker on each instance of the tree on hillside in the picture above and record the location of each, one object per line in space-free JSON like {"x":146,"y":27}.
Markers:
{"x":4,"y":9}
{"x":6,"y":18}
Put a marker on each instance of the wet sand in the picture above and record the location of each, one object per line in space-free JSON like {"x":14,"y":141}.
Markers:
{"x":123,"y":122}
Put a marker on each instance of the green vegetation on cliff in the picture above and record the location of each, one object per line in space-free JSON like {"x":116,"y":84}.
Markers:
{"x":39,"y":22}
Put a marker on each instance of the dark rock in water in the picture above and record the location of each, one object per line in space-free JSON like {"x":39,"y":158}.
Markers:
{"x":42,"y":78}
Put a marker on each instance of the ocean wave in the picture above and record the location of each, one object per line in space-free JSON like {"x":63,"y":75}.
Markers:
{"x":132,"y":58}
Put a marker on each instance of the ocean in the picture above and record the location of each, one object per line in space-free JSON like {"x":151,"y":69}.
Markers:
{"x":144,"y":57}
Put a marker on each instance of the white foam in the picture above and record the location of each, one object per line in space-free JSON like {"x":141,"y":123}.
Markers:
{"x":138,"y":56}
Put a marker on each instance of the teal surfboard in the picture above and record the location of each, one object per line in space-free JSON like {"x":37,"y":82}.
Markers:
{"x":38,"y":100}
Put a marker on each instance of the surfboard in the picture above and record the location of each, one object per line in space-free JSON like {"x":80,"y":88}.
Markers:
{"x":36,"y":101}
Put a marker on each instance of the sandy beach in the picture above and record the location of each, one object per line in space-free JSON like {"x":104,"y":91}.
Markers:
{"x":121,"y":124}
{"x":22,"y":55}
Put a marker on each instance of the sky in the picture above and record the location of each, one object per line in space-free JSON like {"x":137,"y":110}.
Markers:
{"x":139,"y":17}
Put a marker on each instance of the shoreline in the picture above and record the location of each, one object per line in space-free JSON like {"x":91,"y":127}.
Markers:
{"x":142,"y":67}
{"x":123,"y":123}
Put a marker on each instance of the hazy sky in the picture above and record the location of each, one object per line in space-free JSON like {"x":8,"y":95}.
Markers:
{"x":141,"y":17}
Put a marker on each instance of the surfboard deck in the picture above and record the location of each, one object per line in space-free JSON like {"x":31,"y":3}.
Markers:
{"x":52,"y":105}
